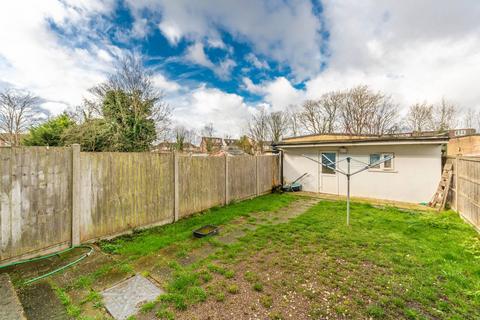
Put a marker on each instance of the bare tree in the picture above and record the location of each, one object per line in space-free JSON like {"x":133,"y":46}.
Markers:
{"x":182,"y":136}
{"x":293,"y":117}
{"x":445,"y":116}
{"x":277,"y":125}
{"x":208,"y":130}
{"x":477,"y":121}
{"x":331,"y":103}
{"x":134,"y":79}
{"x":357,"y":110}
{"x":321,"y":116}
{"x":366,"y":112}
{"x":258,"y":128}
{"x":385,"y":117}
{"x":420,"y":117}
{"x":311,"y":118}
{"x":471,"y":119}
{"x":18,"y":112}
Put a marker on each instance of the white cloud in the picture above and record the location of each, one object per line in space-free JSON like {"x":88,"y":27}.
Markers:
{"x":104,"y":55}
{"x":251,"y":87}
{"x":33,"y":57}
{"x":253,"y":59}
{"x":278,"y":93}
{"x":287,"y":32}
{"x":196,"y":54}
{"x":36,"y":60}
{"x":171,"y":31}
{"x":224,"y":69}
{"x":228,"y":112}
{"x":164,"y":84}
{"x":414,"y":50}
{"x":216,"y":43}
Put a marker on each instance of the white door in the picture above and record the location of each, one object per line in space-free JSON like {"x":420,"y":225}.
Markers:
{"x":328,"y":178}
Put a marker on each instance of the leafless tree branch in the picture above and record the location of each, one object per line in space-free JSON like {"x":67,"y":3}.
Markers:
{"x":19,"y":111}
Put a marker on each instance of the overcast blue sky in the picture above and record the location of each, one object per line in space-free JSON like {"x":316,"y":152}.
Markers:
{"x":219,"y":61}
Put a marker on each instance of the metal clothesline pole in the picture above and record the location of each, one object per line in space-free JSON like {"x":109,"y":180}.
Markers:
{"x":348,"y":191}
{"x":333,"y":166}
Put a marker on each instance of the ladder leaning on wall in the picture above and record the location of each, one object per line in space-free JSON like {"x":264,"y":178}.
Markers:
{"x":440,"y":197}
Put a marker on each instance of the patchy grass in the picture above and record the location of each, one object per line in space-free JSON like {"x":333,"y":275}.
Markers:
{"x":72,"y":309}
{"x":388,"y":264}
{"x":266,"y":301}
{"x":258,"y":287}
{"x":233,"y":289}
{"x":86,"y":281}
{"x":151,"y":240}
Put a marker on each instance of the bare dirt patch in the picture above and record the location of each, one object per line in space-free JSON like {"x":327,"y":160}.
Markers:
{"x":264,"y":291}
{"x":280,"y":283}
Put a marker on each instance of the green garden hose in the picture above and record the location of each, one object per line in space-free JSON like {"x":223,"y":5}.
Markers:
{"x":51,"y":255}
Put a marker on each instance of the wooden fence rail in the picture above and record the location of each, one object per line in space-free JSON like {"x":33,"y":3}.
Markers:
{"x":465,"y":189}
{"x":52,"y":198}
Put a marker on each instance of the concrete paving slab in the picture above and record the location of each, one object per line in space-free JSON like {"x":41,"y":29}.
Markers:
{"x":125,"y":298}
{"x":10,"y":307}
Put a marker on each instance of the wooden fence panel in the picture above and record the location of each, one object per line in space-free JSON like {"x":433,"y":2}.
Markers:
{"x":117,"y":192}
{"x":466,"y":189}
{"x":122,"y":191}
{"x":242,"y":178}
{"x":201,"y":183}
{"x":267,"y":170}
{"x":35,"y":201}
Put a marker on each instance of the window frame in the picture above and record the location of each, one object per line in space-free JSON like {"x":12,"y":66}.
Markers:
{"x":381,"y":167}
{"x":323,"y":167}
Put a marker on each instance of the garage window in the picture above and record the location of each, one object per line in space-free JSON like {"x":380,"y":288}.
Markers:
{"x":328,"y":162}
{"x":384,"y":166}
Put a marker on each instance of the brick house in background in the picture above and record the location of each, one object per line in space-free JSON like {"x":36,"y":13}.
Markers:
{"x":230,"y":142}
{"x":211,"y":144}
{"x":166,"y":147}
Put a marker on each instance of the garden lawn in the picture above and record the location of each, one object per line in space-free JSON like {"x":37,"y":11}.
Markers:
{"x":389,"y":263}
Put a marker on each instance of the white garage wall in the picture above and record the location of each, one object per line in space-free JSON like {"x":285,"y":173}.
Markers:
{"x":294,"y":165}
{"x":416,"y":174}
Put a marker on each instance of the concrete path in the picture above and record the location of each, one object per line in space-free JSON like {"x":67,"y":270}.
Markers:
{"x":10,"y":307}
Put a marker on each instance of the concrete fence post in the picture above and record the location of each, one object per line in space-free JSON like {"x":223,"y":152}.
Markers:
{"x":76,"y":196}
{"x":257,"y":192}
{"x":279,"y":163}
{"x":227,"y":185}
{"x":175,"y":188}
{"x":455,"y":172}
